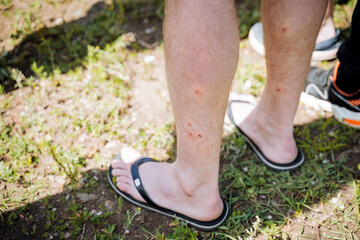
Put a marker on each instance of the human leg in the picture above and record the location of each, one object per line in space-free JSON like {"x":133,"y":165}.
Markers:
{"x":340,"y":85}
{"x":201,"y":52}
{"x":348,"y":79}
{"x":289,"y":39}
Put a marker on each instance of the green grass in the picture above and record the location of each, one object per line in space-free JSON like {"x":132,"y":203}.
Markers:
{"x":17,"y":153}
{"x":257,"y":191}
{"x":72,"y":103}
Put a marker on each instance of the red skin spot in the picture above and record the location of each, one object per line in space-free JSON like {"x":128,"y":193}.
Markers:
{"x":189,"y":124}
{"x":283,"y":29}
{"x":197,"y":92}
{"x":191,"y":136}
{"x":278,"y":89}
{"x":199,"y":135}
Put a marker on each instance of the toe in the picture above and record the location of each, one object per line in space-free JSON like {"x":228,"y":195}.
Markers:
{"x":123,"y":186}
{"x":123,"y":179}
{"x":120,"y":172}
{"x":119,"y":164}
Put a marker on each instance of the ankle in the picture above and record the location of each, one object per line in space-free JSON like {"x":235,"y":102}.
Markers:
{"x":193,"y":182}
{"x":274,"y":123}
{"x":346,"y":83}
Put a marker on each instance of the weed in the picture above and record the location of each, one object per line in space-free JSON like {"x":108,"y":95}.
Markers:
{"x":16,"y":153}
{"x":68,"y":162}
{"x":129,"y":218}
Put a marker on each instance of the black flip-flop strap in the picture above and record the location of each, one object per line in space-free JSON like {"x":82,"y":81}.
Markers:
{"x":137,"y":179}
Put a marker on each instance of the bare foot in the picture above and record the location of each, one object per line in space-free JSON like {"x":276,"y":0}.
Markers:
{"x":276,"y":142}
{"x":161,"y":182}
{"x":327,"y":31}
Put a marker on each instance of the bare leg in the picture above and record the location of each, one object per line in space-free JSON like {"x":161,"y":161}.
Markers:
{"x":327,"y":29}
{"x":201,"y":51}
{"x":290,"y":29}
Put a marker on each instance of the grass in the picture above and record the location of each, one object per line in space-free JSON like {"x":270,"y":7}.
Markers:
{"x":65,"y":111}
{"x":257,"y":191}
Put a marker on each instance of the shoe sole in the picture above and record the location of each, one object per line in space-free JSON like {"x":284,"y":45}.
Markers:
{"x":346,"y":116}
{"x":324,"y":55}
{"x":316,"y":55}
{"x":341,"y":114}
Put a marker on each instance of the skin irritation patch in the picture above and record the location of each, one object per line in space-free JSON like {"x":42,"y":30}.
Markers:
{"x":190,"y":133}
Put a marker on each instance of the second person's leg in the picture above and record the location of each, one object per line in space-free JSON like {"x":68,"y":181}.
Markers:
{"x":290,"y":30}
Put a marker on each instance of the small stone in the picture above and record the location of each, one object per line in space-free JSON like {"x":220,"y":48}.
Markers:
{"x":108,"y":204}
{"x":82,"y":182}
{"x":67,"y":235}
{"x":78,"y":13}
{"x":111,"y":144}
{"x":58,"y":21}
{"x":334,"y":200}
{"x":150,"y":30}
{"x":84,"y":197}
{"x":140,"y":218}
{"x":149,"y":59}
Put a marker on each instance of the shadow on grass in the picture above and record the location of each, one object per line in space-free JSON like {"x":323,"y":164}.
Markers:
{"x":92,"y":210}
{"x":64,"y":47}
{"x":331,"y":151}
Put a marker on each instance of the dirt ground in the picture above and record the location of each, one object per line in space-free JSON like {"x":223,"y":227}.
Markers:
{"x":150,"y":103}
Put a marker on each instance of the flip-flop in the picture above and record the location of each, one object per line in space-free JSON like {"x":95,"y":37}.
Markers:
{"x":150,"y":205}
{"x":270,"y":164}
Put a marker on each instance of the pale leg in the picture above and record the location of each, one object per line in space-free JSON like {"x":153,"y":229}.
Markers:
{"x":290,"y":30}
{"x":201,"y":51}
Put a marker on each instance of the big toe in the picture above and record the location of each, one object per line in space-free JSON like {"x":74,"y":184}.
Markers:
{"x":125,"y":159}
{"x":130,"y":155}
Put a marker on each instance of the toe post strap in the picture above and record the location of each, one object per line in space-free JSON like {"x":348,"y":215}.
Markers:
{"x":137,"y":180}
